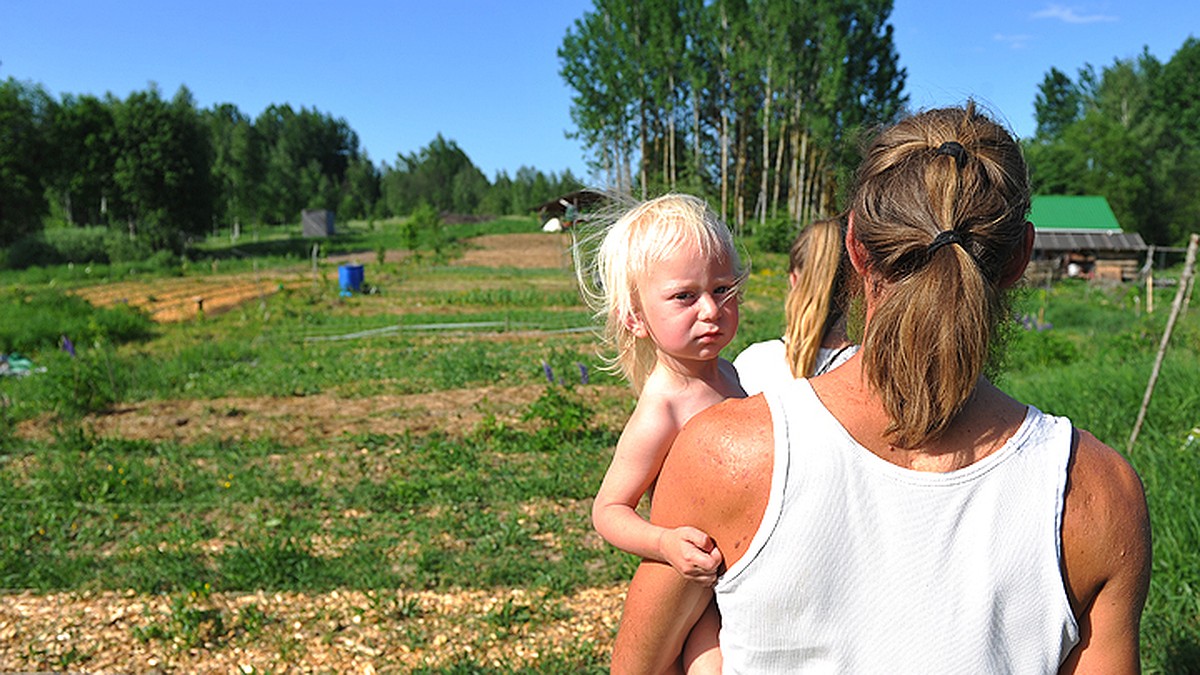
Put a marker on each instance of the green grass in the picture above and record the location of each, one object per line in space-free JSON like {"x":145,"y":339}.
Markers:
{"x":35,"y":319}
{"x":496,"y":506}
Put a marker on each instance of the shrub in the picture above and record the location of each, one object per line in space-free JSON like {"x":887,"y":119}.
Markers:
{"x":775,"y":235}
{"x":121,"y":248}
{"x":561,"y":410}
{"x":31,"y":251}
{"x":78,"y":244}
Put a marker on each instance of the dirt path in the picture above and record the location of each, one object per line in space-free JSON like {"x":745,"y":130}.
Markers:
{"x":523,"y":251}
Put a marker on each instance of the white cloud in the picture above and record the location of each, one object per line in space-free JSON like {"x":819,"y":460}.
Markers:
{"x":1069,"y":15}
{"x":1013,"y":41}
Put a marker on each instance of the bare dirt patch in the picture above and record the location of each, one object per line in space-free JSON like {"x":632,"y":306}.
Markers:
{"x":299,"y":419}
{"x":178,"y":299}
{"x":540,"y":250}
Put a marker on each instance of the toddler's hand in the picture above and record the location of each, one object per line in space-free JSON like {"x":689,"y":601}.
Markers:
{"x":692,"y":553}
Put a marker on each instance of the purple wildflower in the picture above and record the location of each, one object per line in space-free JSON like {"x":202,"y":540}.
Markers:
{"x":583,"y":373}
{"x":549,"y":373}
{"x":67,"y":346}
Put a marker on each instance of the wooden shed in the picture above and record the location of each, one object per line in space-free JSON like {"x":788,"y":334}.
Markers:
{"x":1079,"y":236}
{"x":316,"y":223}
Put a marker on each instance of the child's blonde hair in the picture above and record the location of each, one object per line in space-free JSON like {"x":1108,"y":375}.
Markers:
{"x":644,"y":235}
{"x":821,"y":294}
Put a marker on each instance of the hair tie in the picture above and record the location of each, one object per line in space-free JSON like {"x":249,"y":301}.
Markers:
{"x":944,"y":237}
{"x":955,"y":150}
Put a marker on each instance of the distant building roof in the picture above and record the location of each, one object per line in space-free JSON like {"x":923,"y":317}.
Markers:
{"x":1073,"y":213}
{"x":1087,"y":241}
{"x":581,"y":199}
{"x":1079,"y":223}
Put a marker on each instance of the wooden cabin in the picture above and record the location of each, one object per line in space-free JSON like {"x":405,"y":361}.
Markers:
{"x":1079,"y":236}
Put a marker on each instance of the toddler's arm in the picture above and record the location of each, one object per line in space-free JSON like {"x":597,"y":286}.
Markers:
{"x":639,"y":456}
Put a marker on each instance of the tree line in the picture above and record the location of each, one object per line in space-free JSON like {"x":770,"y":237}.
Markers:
{"x":163,"y":172}
{"x":1129,"y":131}
{"x":757,"y":104}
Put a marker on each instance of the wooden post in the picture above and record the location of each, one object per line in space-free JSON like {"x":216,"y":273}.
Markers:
{"x":1150,"y":293}
{"x":1149,"y":264}
{"x":1189,"y":265}
{"x":1187,"y":300}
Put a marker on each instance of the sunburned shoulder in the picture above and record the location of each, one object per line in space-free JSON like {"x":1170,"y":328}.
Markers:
{"x":736,"y":429}
{"x":717,"y":475}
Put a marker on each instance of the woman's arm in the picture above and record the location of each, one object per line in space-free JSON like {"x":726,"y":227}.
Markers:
{"x":1106,"y":558}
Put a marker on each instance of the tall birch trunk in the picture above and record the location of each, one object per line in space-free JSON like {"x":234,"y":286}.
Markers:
{"x":766,"y":146}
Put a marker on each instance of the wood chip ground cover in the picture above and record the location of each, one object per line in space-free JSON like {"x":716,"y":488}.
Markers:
{"x":336,"y":632}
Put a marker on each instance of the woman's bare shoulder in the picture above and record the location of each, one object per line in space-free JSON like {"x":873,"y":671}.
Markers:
{"x":734,"y":426}
{"x":1101,"y":482}
{"x":1106,"y":556}
{"x":717,"y":475}
{"x":1106,"y":524}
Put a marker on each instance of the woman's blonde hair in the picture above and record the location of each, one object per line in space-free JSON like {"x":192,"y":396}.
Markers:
{"x":642,"y":236}
{"x":940,"y":206}
{"x":820,"y":293}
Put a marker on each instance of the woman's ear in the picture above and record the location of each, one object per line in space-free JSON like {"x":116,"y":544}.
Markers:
{"x":1020,"y":260}
{"x":855,"y":250}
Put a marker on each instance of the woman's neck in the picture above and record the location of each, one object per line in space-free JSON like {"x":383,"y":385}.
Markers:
{"x":985,"y":423}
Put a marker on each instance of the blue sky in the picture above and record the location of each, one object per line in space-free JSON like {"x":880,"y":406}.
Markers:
{"x":484,"y":73}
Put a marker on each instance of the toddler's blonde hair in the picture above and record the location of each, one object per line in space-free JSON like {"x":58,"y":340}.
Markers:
{"x":644,"y":235}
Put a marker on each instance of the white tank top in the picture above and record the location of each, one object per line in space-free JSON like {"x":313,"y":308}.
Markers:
{"x":861,"y":566}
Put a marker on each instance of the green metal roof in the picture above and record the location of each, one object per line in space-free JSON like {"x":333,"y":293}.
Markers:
{"x":1072,"y":213}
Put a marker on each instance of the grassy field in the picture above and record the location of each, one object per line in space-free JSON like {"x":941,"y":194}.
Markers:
{"x":400,"y":479}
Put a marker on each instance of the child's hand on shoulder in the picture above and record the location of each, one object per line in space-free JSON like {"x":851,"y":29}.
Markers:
{"x":692,"y":553}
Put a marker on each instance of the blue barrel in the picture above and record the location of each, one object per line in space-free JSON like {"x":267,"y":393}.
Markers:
{"x":350,"y":277}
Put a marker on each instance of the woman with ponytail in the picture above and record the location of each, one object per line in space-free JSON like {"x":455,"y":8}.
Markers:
{"x":900,"y":513}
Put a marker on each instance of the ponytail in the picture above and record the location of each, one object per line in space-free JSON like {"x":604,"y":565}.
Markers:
{"x":939,"y":206}
{"x":816,"y":299}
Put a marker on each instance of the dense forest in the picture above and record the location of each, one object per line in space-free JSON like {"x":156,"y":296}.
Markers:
{"x":158,"y":173}
{"x":758,"y":104}
{"x":1130,"y":132}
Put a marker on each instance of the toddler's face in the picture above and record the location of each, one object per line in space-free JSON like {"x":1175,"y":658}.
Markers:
{"x":688,"y":305}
